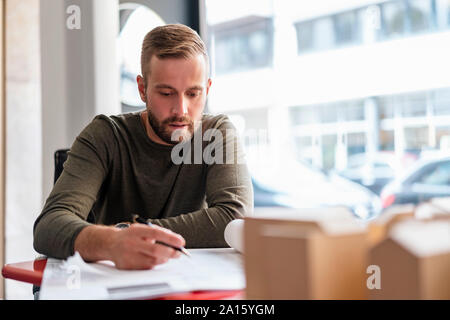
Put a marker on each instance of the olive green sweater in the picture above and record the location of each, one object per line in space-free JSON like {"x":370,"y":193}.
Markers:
{"x":114,"y":170}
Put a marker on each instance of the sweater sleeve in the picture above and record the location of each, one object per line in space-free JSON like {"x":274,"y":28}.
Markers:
{"x":229,"y":195}
{"x":65,"y":212}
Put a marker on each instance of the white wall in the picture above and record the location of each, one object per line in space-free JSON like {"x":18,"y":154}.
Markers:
{"x":80,"y":77}
{"x":23,"y":135}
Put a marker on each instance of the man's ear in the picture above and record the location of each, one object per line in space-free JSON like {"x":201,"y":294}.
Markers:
{"x":208,"y":85}
{"x":142,"y":88}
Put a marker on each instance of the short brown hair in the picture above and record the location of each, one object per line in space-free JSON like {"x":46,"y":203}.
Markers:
{"x":171,"y":41}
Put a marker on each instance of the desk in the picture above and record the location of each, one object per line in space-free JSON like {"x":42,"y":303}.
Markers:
{"x":33,"y":271}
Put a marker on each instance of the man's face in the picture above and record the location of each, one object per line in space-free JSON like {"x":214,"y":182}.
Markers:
{"x":175,"y":96}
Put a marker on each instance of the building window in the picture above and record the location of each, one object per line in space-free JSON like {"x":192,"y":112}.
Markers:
{"x":317,"y":34}
{"x":384,"y":21}
{"x":329,"y":143}
{"x":394,"y":16}
{"x":416,"y":139}
{"x":305,"y":36}
{"x":414,"y":105}
{"x":356,"y":143}
{"x":304,"y":115}
{"x":441,"y":102}
{"x":387,"y":140}
{"x":420,"y":15}
{"x":347,"y":28}
{"x":448,"y":13}
{"x":352,"y":111}
{"x":408,"y":17}
{"x":305,"y":149}
{"x":386,"y":107}
{"x":443,"y":138}
{"x":243,"y":45}
{"x":328,"y":113}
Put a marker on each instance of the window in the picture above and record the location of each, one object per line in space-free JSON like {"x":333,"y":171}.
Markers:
{"x":135,"y":21}
{"x":394,"y":17}
{"x":323,"y":34}
{"x":410,"y":105}
{"x":304,"y":148}
{"x":243,"y":44}
{"x":441,"y":103}
{"x":304,"y":115}
{"x":356,"y":143}
{"x":305,"y":36}
{"x":328,"y":113}
{"x":352,"y":111}
{"x":347,"y":28}
{"x":443,"y":138}
{"x":420,"y":15}
{"x":415,"y":105}
{"x":329,"y":143}
{"x":408,"y":17}
{"x":387,"y":140}
{"x":317,"y":34}
{"x":441,"y":10}
{"x":448,"y":12}
{"x":386,"y":105}
{"x":416,"y":139}
{"x":323,"y":113}
{"x":384,"y":21}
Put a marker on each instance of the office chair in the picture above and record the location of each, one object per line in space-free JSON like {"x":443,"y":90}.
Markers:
{"x":60,"y":157}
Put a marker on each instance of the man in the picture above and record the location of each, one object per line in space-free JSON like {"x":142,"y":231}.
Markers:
{"x":123,"y":165}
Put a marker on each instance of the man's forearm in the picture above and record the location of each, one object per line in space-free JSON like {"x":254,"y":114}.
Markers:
{"x":201,"y":229}
{"x":55,"y":233}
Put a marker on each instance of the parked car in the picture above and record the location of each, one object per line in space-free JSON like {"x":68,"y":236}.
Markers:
{"x":300,"y":185}
{"x":375,"y":173}
{"x":428,"y":178}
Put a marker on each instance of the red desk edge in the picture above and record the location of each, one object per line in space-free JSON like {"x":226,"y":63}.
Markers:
{"x":28,"y":271}
{"x":33,"y":271}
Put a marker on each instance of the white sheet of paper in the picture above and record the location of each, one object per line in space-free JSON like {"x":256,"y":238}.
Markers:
{"x":207,"y":269}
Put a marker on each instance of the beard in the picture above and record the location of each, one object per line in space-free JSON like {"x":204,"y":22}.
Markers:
{"x":163,"y":130}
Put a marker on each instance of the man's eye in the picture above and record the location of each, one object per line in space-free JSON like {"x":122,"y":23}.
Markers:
{"x":165,"y":94}
{"x":193,"y":94}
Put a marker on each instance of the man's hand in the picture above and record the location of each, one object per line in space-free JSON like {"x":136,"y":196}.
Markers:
{"x":130,"y":248}
{"x":135,"y":247}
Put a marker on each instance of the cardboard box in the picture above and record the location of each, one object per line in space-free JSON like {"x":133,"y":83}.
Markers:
{"x":414,"y":261}
{"x":379,"y":228}
{"x":434,"y":209}
{"x":312,"y":257}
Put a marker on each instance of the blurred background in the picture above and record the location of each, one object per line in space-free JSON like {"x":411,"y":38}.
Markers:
{"x":337,"y":102}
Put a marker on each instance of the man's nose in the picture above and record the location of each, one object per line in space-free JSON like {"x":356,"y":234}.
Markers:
{"x":181,"y":106}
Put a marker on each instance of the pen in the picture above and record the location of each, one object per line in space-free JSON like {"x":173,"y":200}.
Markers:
{"x":138,"y":219}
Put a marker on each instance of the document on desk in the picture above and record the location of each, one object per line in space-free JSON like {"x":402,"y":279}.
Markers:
{"x":206,"y":269}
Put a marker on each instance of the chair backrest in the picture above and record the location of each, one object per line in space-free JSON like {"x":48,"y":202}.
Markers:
{"x":60,"y":158}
